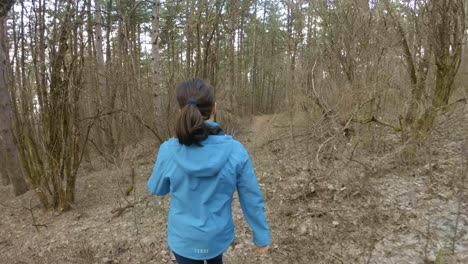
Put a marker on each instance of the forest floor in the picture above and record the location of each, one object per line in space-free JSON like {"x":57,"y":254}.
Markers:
{"x":329,"y":199}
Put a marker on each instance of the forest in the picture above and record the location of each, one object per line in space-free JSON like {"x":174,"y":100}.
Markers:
{"x":354,"y":112}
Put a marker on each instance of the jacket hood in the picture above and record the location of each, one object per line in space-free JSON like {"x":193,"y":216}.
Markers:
{"x":206,"y":160}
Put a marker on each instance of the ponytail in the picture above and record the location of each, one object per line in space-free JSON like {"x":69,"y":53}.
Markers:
{"x":190,"y":126}
{"x":196,"y":100}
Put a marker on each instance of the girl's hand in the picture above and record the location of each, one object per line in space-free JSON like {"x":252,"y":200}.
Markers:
{"x":261,"y":250}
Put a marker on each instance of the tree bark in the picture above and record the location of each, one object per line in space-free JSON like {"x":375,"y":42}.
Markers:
{"x":155,"y":50}
{"x":448,"y":34}
{"x":160,"y":93}
{"x":101,"y":67}
{"x":231,"y":36}
{"x":8,"y":151}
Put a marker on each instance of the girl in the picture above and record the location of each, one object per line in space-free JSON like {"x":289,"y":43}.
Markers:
{"x":202,"y":168}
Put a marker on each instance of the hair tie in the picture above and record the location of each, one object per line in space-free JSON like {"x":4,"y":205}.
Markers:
{"x":192,"y":102}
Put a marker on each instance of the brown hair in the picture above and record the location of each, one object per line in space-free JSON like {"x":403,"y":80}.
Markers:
{"x":196,"y":101}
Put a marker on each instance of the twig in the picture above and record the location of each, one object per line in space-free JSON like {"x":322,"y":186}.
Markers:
{"x":336,"y":257}
{"x":354,"y":149}
{"x":461,"y":100}
{"x":101,"y":152}
{"x":463,"y":173}
{"x":315,"y":214}
{"x":375,"y":120}
{"x":141,"y":121}
{"x":320,"y":148}
{"x":119,"y":211}
{"x":455,"y":231}
{"x":84,"y":147}
{"x":428,"y":237}
{"x":371,"y":252}
{"x":135,"y":217}
{"x":346,"y":126}
{"x":318,"y":100}
{"x":32,"y":216}
{"x":360,"y":162}
{"x":99,"y":114}
{"x":11,"y":207}
{"x":132,"y":114}
{"x":30,"y":209}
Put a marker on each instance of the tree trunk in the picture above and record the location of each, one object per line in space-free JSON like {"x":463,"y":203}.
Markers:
{"x":189,"y":8}
{"x":160,"y":94}
{"x":8,"y":151}
{"x":101,"y":70}
{"x":231,"y":36}
{"x":448,"y":34}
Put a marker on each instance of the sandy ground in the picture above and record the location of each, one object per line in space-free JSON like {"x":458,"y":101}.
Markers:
{"x":328,"y":200}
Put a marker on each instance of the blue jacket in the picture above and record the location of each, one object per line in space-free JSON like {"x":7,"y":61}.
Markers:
{"x":202,"y":181}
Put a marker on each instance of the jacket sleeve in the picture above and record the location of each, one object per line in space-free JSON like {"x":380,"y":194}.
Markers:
{"x":158,"y":183}
{"x":252,"y":204}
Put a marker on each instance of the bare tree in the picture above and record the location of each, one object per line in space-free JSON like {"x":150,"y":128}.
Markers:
{"x":447,"y":23}
{"x":49,"y":136}
{"x":437,"y":36}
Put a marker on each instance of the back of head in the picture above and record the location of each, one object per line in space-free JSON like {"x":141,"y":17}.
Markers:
{"x":196,"y":102}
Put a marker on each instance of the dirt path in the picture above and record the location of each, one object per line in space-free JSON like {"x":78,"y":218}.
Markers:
{"x":337,"y":211}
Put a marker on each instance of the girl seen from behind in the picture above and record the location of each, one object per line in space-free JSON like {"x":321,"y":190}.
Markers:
{"x":202,"y":168}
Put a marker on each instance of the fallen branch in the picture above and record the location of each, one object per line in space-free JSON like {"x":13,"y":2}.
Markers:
{"x":375,"y":120}
{"x":32,"y":216}
{"x":119,"y":211}
{"x":461,"y":100}
{"x":320,"y":148}
{"x":30,"y":209}
{"x":351,"y":159}
{"x":311,"y":215}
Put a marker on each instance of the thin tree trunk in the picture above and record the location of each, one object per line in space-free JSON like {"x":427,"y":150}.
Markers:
{"x":231,"y":35}
{"x":188,"y":35}
{"x":253,"y":91}
{"x":11,"y":160}
{"x":160,"y":95}
{"x":41,"y":49}
{"x":101,"y":70}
